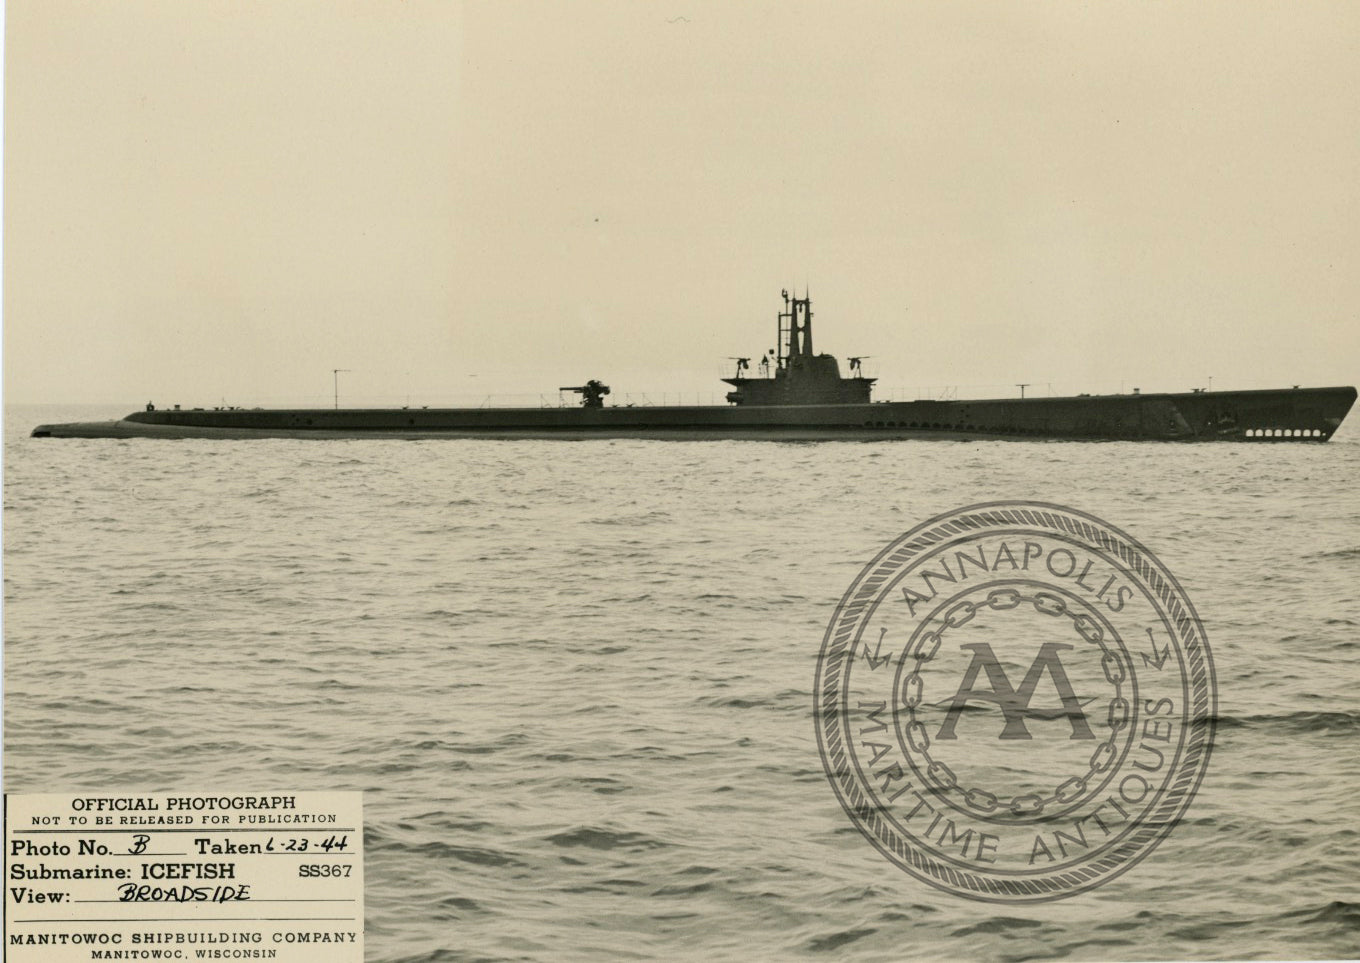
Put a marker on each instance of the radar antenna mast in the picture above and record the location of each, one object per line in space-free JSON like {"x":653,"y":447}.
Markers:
{"x":794,"y":334}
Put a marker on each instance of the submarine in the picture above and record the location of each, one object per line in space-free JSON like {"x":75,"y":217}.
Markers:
{"x":795,"y":394}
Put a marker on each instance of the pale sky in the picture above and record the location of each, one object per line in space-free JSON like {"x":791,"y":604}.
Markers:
{"x":223,"y":201}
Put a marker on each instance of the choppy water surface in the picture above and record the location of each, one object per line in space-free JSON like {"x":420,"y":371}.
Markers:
{"x":573,"y":679}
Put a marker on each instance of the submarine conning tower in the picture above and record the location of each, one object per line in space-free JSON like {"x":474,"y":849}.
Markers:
{"x":794,"y":375}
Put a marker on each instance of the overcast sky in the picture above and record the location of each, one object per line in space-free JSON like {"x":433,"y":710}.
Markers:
{"x":224,"y":201}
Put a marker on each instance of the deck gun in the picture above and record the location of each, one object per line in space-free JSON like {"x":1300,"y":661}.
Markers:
{"x":592,"y":393}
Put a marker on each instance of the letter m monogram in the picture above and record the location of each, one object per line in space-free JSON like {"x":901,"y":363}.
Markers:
{"x":1014,"y":703}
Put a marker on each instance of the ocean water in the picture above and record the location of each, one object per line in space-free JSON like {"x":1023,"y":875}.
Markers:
{"x":574,"y":679}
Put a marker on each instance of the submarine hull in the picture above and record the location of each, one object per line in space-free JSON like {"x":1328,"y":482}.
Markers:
{"x":1297,"y":414}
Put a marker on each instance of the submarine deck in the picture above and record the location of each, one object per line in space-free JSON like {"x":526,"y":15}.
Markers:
{"x":1298,"y":414}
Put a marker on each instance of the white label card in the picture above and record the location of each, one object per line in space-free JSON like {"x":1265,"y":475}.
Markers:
{"x":184,"y":876}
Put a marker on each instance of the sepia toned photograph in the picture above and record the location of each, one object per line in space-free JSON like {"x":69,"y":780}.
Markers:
{"x":730,"y":482}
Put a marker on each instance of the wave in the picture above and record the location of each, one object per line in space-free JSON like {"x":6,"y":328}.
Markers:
{"x":1337,"y":911}
{"x":591,"y":837}
{"x":735,"y":702}
{"x":834,"y":941}
{"x":1295,"y":722}
{"x":476,"y":855}
{"x":998,"y":924}
{"x":1339,"y":553}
